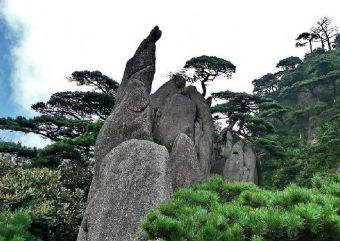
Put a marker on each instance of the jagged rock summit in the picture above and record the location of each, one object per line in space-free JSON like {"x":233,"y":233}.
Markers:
{"x":147,"y":148}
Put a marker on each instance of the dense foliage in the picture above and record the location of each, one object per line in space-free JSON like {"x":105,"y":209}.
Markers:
{"x":289,"y":63}
{"x":219,"y":210}
{"x":14,"y":227}
{"x":55,"y":210}
{"x":266,"y":84}
{"x":309,"y":130}
{"x":52,"y":183}
{"x":241,"y":112}
{"x":292,"y":121}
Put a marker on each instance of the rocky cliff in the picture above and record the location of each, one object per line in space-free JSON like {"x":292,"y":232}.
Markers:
{"x":148,"y":147}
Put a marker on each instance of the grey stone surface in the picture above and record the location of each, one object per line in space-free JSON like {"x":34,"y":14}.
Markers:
{"x":235,"y":160}
{"x":131,"y":118}
{"x":186,"y":112}
{"x":203,"y":129}
{"x":221,"y":152}
{"x":234,"y":164}
{"x":175,"y":85}
{"x":310,"y":133}
{"x":142,"y":65}
{"x":184,"y":165}
{"x":175,"y":117}
{"x":305,"y":98}
{"x":132,"y":114}
{"x":134,"y":174}
{"x":249,"y":167}
{"x":239,"y":160}
{"x":133,"y":179}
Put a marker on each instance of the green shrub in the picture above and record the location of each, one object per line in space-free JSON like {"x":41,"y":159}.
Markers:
{"x":14,"y":227}
{"x":221,"y":210}
{"x":56,"y":211}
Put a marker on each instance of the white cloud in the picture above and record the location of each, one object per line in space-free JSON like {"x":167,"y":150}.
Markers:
{"x":61,"y":36}
{"x":30,"y":139}
{"x":33,"y":140}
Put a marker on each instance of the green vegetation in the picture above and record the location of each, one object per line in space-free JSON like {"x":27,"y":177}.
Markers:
{"x":55,"y":210}
{"x":14,"y":227}
{"x":240,"y":108}
{"x":322,"y":32}
{"x":207,"y":68}
{"x":219,"y":210}
{"x":307,"y":38}
{"x":265,"y":85}
{"x":51,"y":184}
{"x":292,"y":120}
{"x":289,"y":63}
{"x":309,"y":130}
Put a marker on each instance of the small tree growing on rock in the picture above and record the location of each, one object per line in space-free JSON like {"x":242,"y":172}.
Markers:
{"x":207,"y":68}
{"x":289,"y":63}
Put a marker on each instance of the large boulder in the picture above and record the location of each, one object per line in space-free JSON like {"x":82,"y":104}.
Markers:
{"x":186,"y":112}
{"x":184,"y":165}
{"x":222,"y":150}
{"x":134,"y":178}
{"x":176,"y":116}
{"x":174,"y":86}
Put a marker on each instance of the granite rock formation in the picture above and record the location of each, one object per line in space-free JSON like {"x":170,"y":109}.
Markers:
{"x":134,"y":171}
{"x":235,"y":160}
{"x":133,"y":179}
{"x":184,"y":165}
{"x":187,"y":112}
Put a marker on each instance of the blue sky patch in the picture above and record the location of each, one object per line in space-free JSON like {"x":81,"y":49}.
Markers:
{"x":7,"y":40}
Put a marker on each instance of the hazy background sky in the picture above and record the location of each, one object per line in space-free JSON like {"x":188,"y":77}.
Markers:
{"x":44,"y":41}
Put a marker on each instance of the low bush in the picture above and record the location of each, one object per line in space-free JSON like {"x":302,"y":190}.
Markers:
{"x":14,"y":227}
{"x":221,"y":210}
{"x":55,"y":211}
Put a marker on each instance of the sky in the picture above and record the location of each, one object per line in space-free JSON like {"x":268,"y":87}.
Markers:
{"x":43,"y":41}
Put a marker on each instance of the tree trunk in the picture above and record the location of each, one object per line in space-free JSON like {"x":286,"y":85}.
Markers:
{"x":329,"y":43}
{"x":310,"y":46}
{"x":204,"y":87}
{"x":322,"y":44}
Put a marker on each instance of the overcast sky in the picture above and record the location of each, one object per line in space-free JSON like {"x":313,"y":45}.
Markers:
{"x":44,"y":41}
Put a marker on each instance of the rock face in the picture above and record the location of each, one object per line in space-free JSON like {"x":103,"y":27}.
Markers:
{"x":235,"y":160}
{"x":186,"y":112}
{"x":185,"y":167}
{"x":133,"y":174}
{"x":133,"y":179}
{"x":175,"y":85}
{"x":176,"y":116}
{"x":204,"y":129}
{"x":132,"y":114}
{"x":142,"y":65}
